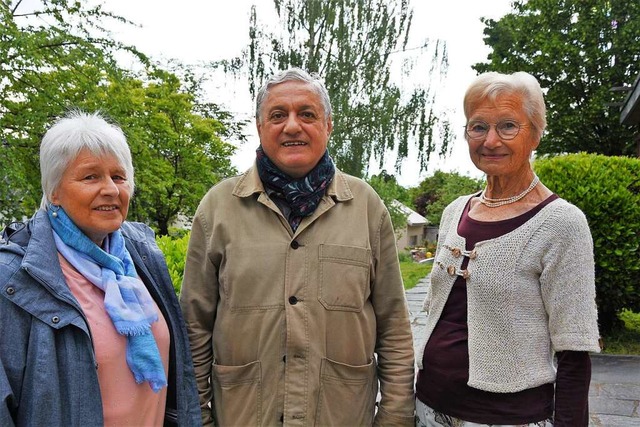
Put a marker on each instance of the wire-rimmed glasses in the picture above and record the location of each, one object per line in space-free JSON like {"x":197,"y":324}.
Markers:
{"x":506,"y":129}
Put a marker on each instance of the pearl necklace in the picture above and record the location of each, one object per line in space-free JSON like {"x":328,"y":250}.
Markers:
{"x":494,"y":203}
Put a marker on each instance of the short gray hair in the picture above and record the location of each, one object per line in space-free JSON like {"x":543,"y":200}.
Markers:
{"x":296,"y":75}
{"x":491,"y":85}
{"x":73,"y":133}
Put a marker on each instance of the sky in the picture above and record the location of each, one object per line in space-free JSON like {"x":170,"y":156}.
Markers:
{"x":199,"y":31}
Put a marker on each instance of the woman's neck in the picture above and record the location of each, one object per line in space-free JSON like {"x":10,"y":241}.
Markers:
{"x":503,"y":186}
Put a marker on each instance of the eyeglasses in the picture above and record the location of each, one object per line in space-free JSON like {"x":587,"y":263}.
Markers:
{"x":506,"y":129}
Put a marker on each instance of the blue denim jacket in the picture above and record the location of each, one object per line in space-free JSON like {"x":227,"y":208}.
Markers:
{"x":47,"y":362}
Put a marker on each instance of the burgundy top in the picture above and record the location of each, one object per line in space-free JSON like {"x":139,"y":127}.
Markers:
{"x":442,"y":383}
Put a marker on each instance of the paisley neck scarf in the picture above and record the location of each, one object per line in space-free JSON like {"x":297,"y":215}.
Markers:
{"x":302,"y":195}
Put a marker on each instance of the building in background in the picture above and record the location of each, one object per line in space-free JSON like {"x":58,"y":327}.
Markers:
{"x":417,"y":230}
{"x":631,"y":110}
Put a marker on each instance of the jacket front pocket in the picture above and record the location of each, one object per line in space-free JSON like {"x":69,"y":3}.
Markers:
{"x":347,"y":394}
{"x":237,"y":394}
{"x":344,"y":277}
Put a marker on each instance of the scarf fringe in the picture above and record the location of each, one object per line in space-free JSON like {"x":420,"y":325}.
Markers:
{"x":156,"y":384}
{"x":132,"y":330}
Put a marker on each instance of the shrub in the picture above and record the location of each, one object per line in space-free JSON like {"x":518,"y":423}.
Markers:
{"x":175,"y":252}
{"x":435,"y":192}
{"x":404,"y":256}
{"x":607,"y":190}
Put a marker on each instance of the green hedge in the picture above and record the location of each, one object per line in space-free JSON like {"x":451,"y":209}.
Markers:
{"x":607,"y":190}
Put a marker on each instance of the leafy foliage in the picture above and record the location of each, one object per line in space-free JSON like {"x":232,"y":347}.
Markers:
{"x":177,"y":152}
{"x":579,"y":50}
{"x":49,"y":49}
{"x":607,"y":190}
{"x":175,"y":253}
{"x":389,"y":191}
{"x":624,"y":340}
{"x":350,"y":43}
{"x":57,"y":55}
{"x":437,"y":191}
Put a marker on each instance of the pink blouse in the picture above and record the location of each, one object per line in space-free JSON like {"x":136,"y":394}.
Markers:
{"x":123,"y":401}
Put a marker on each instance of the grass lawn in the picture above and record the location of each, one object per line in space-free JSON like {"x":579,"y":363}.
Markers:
{"x":412,"y":272}
{"x":626,"y":341}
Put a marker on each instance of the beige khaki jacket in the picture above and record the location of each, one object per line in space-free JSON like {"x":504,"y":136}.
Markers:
{"x":297,"y":327}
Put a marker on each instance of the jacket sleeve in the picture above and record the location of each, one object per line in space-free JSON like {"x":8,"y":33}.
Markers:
{"x":9,"y":346}
{"x":198,"y":300}
{"x":394,"y":346}
{"x":6,"y":398}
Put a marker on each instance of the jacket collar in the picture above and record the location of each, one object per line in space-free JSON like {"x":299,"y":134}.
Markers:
{"x":41,"y":256}
{"x":39,"y":276}
{"x":250,"y":184}
{"x":136,"y":242}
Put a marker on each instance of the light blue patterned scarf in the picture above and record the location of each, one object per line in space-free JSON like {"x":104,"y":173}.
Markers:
{"x":126,"y":299}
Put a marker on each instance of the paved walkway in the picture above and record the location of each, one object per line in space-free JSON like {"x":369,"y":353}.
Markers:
{"x":614,"y":396}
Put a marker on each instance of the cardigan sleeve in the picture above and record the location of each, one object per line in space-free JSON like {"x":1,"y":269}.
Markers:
{"x":568,"y":281}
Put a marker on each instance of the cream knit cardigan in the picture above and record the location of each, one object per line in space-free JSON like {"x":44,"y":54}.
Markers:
{"x":530,"y":293}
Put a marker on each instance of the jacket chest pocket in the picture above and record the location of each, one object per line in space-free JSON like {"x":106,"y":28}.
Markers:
{"x":344,"y":277}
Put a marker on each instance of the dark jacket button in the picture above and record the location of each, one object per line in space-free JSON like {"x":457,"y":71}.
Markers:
{"x":293,"y":300}
{"x":295,"y":244}
{"x":10,"y":290}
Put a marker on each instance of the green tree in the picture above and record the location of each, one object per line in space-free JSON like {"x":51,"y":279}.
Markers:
{"x":177,"y":149}
{"x":175,"y":138}
{"x":48,"y":48}
{"x":178,"y":153}
{"x":350,"y":43}
{"x":437,"y":191}
{"x":579,"y":50}
{"x":391,"y":192}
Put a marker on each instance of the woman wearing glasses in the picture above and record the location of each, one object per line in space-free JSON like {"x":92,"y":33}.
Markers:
{"x":511,"y":306}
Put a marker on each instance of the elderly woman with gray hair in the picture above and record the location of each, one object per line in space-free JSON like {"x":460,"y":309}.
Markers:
{"x":511,"y":306}
{"x":92,"y":333}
